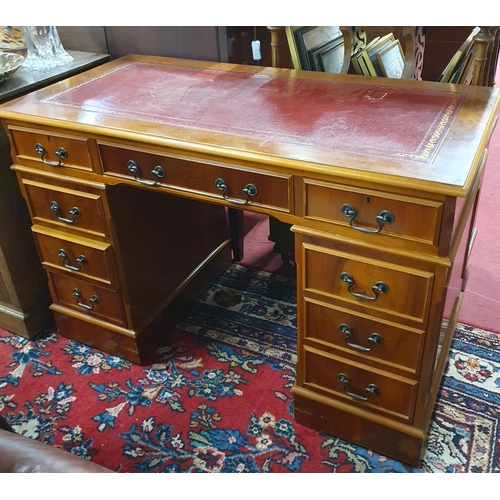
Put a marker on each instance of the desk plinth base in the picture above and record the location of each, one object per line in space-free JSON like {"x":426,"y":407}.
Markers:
{"x":125,"y":344}
{"x":399,"y":441}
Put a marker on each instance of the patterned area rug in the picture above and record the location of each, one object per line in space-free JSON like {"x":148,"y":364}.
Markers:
{"x":219,"y":399}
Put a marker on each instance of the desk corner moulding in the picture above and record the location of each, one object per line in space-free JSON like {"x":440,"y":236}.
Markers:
{"x":128,"y":171}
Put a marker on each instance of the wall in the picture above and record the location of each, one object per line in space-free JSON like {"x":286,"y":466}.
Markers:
{"x":207,"y":43}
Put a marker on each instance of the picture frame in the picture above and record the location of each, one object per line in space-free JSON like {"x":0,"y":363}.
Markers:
{"x":373,"y":49}
{"x":308,"y":38}
{"x":329,"y":57}
{"x":391,"y":60}
{"x":294,"y":53}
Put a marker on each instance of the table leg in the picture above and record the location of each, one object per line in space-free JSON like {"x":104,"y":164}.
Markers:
{"x":236,"y":231}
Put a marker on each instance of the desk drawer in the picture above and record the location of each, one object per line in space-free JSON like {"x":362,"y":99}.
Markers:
{"x":87,"y":298}
{"x":269,"y":190}
{"x":78,"y":211}
{"x":53,"y":150}
{"x":363,"y":337}
{"x":357,"y":384}
{"x":400,"y":216}
{"x":79,"y":256}
{"x":374,"y":284}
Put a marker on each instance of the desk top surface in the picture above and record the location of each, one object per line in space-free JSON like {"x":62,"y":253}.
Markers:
{"x":420,"y":130}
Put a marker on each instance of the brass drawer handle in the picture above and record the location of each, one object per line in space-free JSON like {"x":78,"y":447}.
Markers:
{"x":74,"y":213}
{"x":373,"y":339}
{"x":379,"y":287}
{"x":371,"y":389}
{"x":249,"y":190}
{"x":93,"y":300}
{"x":61,"y":154}
{"x":385,"y":217}
{"x":80,"y":259}
{"x":157,"y":173}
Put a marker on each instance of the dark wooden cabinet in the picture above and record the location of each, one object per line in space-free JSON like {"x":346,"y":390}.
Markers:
{"x":24,"y":296}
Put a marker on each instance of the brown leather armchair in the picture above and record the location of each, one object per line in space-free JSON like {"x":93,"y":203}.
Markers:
{"x":21,"y":454}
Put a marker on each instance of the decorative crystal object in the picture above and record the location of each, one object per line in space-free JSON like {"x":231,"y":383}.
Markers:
{"x":44,"y":48}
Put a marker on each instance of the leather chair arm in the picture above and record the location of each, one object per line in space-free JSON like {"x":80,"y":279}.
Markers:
{"x":21,"y":454}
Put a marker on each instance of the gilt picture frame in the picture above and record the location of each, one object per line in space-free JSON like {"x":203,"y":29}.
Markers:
{"x":292,"y":45}
{"x":391,"y":60}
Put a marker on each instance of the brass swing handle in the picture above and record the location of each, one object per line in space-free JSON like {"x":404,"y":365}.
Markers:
{"x":379,"y":287}
{"x":80,"y":259}
{"x":93,"y":300}
{"x":74,"y":213}
{"x":61,"y":154}
{"x":249,"y":190}
{"x":157,"y":173}
{"x":373,"y":339}
{"x":370,"y":389}
{"x":385,"y":217}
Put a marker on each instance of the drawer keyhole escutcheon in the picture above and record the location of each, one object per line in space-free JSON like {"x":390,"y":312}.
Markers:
{"x":61,"y":154}
{"x":93,"y":300}
{"x":157,"y":173}
{"x":370,"y":389}
{"x":249,"y":190}
{"x":74,"y":213}
{"x":373,"y":339}
{"x":385,"y":217}
{"x":377,"y":288}
{"x":80,"y":259}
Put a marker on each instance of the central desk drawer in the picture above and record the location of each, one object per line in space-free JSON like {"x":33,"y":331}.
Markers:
{"x":243,"y":186}
{"x":79,"y":256}
{"x":58,"y":206}
{"x":85,"y":297}
{"x":368,"y":282}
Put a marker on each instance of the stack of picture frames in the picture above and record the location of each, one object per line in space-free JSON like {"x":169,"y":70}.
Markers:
{"x":461,"y":66}
{"x":316,"y":48}
{"x":382,"y":56}
{"x":322,"y":48}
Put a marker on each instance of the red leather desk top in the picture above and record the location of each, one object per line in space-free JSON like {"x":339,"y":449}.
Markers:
{"x":389,"y":122}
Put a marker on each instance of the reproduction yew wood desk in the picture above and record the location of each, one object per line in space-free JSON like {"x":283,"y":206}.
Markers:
{"x":127,"y":172}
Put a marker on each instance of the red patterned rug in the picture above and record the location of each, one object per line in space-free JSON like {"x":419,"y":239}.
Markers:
{"x":219,"y":399}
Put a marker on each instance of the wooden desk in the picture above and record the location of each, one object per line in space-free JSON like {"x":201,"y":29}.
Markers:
{"x":379,"y":178}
